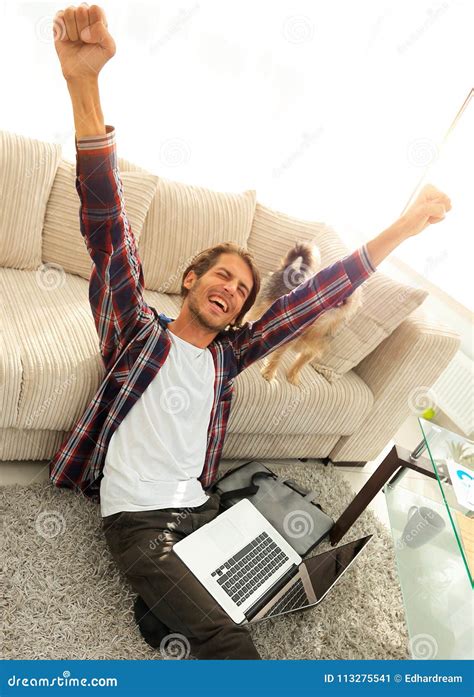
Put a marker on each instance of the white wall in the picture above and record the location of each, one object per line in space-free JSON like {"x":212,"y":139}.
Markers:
{"x":328,"y":109}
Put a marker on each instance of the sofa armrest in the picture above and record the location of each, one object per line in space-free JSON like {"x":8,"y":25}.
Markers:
{"x":399,"y":372}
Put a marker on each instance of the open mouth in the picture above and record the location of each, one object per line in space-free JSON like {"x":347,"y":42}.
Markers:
{"x":218,"y":305}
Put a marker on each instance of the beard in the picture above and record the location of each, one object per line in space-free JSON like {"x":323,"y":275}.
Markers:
{"x":201,"y":314}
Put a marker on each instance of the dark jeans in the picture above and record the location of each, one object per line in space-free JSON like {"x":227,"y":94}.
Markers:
{"x":141,"y":543}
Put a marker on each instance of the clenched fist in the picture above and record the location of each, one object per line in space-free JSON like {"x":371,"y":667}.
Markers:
{"x":429,"y":207}
{"x":82,"y":41}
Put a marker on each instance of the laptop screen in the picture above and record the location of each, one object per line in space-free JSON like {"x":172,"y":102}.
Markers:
{"x":324,"y":569}
{"x":314,"y":577}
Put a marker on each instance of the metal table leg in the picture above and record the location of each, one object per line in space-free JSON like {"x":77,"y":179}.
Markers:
{"x":375,"y":483}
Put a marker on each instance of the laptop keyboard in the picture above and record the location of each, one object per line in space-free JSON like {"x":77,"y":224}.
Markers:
{"x":240,"y":575}
{"x":293,"y":598}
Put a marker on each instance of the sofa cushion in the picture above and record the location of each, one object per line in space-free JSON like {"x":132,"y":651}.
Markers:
{"x":182,"y":221}
{"x":55,"y":343}
{"x":273,"y":233}
{"x":11,"y":370}
{"x":312,"y":407}
{"x":63,"y":243}
{"x":27,"y":171}
{"x":54,"y":349}
{"x":385,"y":302}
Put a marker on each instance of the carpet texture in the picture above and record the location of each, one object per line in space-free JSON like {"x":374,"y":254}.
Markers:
{"x":62,"y":596}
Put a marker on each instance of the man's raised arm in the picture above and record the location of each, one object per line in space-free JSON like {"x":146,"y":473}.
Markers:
{"x":84,"y":44}
{"x":289,"y":315}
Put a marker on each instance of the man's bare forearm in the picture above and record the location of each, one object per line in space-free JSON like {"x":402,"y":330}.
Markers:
{"x":381,"y":246}
{"x":88,"y":117}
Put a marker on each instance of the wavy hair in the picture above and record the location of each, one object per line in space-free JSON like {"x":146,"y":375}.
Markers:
{"x":209,"y":257}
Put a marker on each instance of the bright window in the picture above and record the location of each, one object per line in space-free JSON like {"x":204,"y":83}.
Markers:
{"x":327,"y":109}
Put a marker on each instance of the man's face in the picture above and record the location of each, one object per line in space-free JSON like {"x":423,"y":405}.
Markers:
{"x":228,"y":282}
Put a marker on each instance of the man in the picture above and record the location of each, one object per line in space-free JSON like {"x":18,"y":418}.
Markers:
{"x":153,"y":434}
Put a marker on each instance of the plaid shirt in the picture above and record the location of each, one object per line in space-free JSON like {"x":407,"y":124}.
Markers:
{"x":133,"y":339}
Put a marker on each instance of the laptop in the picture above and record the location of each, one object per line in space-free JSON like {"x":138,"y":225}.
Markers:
{"x":253,"y":572}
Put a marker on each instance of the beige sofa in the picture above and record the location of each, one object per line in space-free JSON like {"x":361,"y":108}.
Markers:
{"x":346,"y":408}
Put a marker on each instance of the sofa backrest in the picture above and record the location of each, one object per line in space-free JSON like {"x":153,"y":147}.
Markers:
{"x":27,"y":171}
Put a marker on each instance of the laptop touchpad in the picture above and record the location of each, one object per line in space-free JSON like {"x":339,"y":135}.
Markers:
{"x":224,"y":535}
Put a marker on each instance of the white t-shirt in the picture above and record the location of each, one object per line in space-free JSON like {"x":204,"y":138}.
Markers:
{"x":157,"y":452}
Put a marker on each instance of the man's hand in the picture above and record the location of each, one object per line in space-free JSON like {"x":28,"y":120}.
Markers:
{"x":82,"y":41}
{"x":429,"y":207}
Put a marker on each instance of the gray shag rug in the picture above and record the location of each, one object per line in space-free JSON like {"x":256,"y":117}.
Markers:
{"x":64,"y":598}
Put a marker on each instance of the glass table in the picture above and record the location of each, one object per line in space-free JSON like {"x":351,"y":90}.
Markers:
{"x":433,"y":538}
